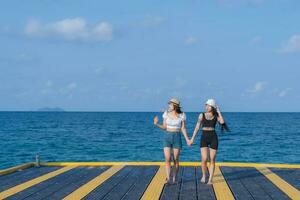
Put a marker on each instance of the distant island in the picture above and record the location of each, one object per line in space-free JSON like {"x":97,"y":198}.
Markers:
{"x":48,"y":109}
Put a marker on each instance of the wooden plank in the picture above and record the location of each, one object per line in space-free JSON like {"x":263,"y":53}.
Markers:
{"x":222,"y":190}
{"x":102,"y":190}
{"x":124,"y":186}
{"x":171,"y":191}
{"x":47,"y":187}
{"x":204,"y":191}
{"x":246,"y":176}
{"x":237,"y":187}
{"x":284,"y":186}
{"x":32,"y":182}
{"x":86,"y":177}
{"x":257,"y":185}
{"x":139,"y":187}
{"x":156,"y":186}
{"x":255,"y":179}
{"x":188,"y":188}
{"x":291,"y":176}
{"x":59,"y":187}
{"x":87,"y":188}
{"x":16,"y":178}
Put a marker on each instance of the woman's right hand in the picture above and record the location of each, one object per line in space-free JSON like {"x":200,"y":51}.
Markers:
{"x":155,"y":120}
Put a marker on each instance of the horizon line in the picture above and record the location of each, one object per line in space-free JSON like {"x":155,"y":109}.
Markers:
{"x":115,"y":111}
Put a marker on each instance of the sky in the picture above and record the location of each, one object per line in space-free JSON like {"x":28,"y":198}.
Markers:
{"x":134,"y":55}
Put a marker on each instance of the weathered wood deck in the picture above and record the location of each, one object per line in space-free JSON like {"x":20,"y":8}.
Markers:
{"x":145,"y":180}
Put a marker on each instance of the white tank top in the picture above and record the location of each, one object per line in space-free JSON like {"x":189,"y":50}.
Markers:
{"x":174,"y":123}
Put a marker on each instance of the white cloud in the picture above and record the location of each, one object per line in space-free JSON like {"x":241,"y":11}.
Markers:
{"x":258,"y":87}
{"x":284,"y":92}
{"x":292,"y":45}
{"x":71,"y":29}
{"x":191,"y":40}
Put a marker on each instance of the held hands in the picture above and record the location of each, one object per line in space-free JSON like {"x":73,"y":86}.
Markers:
{"x":190,"y":142}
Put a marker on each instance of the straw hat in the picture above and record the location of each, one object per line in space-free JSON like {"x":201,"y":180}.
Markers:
{"x":174,"y":101}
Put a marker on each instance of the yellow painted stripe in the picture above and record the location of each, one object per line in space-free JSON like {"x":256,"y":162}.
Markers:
{"x":16,"y":168}
{"x":32,"y":182}
{"x":228,"y":164}
{"x":222,"y":190}
{"x":239,"y":164}
{"x":91,"y":185}
{"x":156,"y":186}
{"x":284,"y":186}
{"x":100,"y":163}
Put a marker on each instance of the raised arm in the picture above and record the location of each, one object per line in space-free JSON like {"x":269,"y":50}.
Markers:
{"x":220,"y":117}
{"x":162,"y":126}
{"x":197,"y":127}
{"x":221,"y":121}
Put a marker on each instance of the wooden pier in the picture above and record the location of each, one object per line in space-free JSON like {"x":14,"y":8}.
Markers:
{"x":145,"y":180}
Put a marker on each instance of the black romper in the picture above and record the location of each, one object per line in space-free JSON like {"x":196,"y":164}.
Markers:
{"x":209,"y":138}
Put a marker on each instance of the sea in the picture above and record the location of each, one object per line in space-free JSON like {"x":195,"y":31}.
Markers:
{"x":131,"y":136}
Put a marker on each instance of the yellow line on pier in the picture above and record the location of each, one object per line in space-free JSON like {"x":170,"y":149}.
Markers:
{"x":221,"y":188}
{"x":23,"y":186}
{"x":284,"y":186}
{"x":16,"y":168}
{"x":91,"y":185}
{"x":156,"y":186}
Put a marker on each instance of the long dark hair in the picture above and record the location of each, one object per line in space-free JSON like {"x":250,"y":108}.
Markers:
{"x":177,"y":108}
{"x":224,"y":127}
{"x":214,"y":112}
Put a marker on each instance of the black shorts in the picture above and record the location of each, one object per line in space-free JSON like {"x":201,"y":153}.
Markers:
{"x":209,"y":139}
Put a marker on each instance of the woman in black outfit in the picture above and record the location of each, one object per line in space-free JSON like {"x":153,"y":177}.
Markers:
{"x":209,"y":138}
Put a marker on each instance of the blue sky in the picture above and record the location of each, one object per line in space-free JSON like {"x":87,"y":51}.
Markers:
{"x":134,"y":55}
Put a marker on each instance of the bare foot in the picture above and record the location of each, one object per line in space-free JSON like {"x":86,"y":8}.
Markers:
{"x":174,"y":179}
{"x":167,"y":181}
{"x":209,"y":182}
{"x":203,"y":179}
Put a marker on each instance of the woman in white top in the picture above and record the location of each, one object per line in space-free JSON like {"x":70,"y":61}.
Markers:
{"x":173,"y":122}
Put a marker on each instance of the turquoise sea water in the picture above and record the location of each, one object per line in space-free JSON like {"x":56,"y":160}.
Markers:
{"x":131,"y":136}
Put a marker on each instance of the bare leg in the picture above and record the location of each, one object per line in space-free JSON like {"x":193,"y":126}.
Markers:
{"x":212,"y":155}
{"x":167,"y":152}
{"x":203,"y":163}
{"x":176,"y":153}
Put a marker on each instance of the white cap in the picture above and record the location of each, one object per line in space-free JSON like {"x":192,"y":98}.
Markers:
{"x":211,"y":102}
